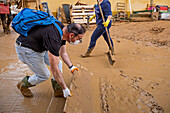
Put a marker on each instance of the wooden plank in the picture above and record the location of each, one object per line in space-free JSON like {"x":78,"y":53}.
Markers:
{"x":121,"y":9}
{"x":30,"y":0}
{"x":142,"y":11}
{"x":79,"y":21}
{"x":141,"y":15}
{"x":81,"y":10}
{"x":80,"y":16}
{"x":83,"y":6}
{"x":82,"y":21}
{"x":140,"y":19}
{"x":79,"y":13}
{"x":76,"y":14}
{"x":77,"y":17}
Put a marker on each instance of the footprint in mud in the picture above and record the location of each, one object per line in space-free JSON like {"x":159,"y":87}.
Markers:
{"x":145,"y":97}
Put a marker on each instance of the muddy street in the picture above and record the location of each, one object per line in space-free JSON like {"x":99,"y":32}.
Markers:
{"x":139,"y":80}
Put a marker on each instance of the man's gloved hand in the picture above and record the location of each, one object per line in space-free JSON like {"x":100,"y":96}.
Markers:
{"x":106,"y":23}
{"x":73,"y":68}
{"x":91,"y":18}
{"x":66,"y":92}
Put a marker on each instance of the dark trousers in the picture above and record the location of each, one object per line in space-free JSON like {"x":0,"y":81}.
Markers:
{"x":6,"y":22}
{"x":100,"y":30}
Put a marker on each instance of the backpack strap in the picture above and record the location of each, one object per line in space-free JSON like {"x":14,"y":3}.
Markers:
{"x":59,"y":29}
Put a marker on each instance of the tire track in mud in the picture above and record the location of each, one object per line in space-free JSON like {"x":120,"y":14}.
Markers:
{"x":143,"y":100}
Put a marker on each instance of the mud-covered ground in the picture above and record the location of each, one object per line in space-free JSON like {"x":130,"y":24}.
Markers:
{"x":139,"y":80}
{"x":149,"y":33}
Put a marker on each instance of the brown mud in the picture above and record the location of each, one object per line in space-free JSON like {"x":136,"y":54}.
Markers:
{"x":139,"y":80}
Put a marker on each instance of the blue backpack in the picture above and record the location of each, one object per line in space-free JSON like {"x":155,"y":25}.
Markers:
{"x":28,"y":18}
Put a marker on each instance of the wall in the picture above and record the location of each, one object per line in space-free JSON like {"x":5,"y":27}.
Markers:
{"x":136,"y":4}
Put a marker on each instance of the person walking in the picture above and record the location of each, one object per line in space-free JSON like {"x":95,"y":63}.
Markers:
{"x":42,"y":47}
{"x":100,"y":29}
{"x":6,"y":16}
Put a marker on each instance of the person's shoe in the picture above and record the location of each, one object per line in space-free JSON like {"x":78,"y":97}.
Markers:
{"x":87,"y":53}
{"x":58,"y":92}
{"x":8,"y":30}
{"x":23,"y":87}
{"x":112,"y":50}
{"x":5,"y":31}
{"x":4,"y":26}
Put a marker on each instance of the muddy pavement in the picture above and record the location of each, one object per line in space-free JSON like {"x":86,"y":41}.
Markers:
{"x":138,"y":81}
{"x":12,"y":71}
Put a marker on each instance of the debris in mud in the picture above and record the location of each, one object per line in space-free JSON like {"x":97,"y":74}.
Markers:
{"x":146,"y":97}
{"x":149,"y":34}
{"x":103,"y":94}
{"x":148,"y":100}
{"x":156,"y":30}
{"x":118,"y":40}
{"x":136,"y":80}
{"x":143,"y":99}
{"x":122,"y":74}
{"x":160,"y":42}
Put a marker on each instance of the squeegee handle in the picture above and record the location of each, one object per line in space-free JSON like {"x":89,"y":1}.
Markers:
{"x":105,"y":27}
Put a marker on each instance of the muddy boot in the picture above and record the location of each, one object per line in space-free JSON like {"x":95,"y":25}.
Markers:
{"x":57,"y":89}
{"x":5,"y":31}
{"x":23,"y":87}
{"x":8,"y":30}
{"x":87,"y":53}
{"x":112,"y":50}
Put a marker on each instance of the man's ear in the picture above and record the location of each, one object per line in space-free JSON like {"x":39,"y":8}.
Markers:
{"x":71,"y":35}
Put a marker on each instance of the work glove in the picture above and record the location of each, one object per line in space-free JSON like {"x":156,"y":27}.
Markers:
{"x":73,"y":68}
{"x":91,"y":18}
{"x":106,"y":23}
{"x":66,"y":92}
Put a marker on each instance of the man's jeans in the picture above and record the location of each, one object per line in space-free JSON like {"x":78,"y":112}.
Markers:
{"x":36,"y":62}
{"x":100,"y":30}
